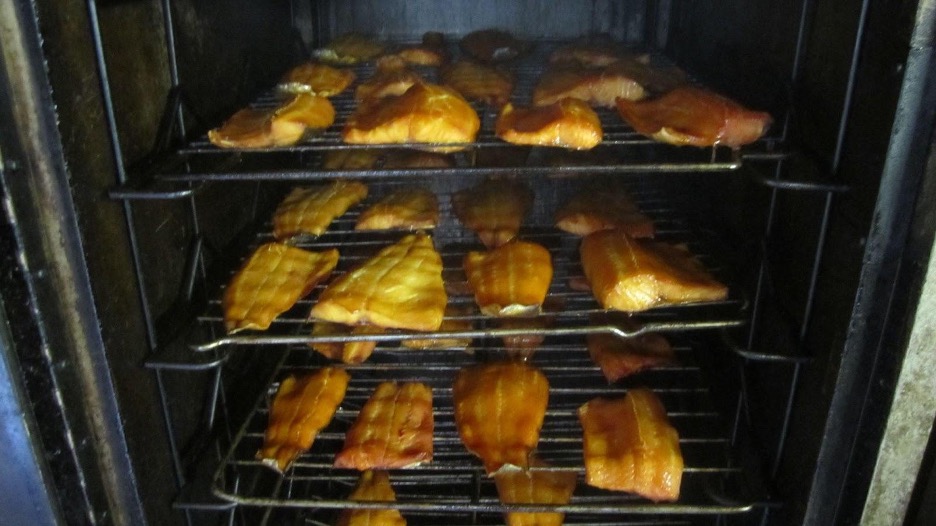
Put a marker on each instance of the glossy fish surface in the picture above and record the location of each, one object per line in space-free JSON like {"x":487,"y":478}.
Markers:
{"x":493,"y":209}
{"x":372,"y":486}
{"x":408,"y":208}
{"x":568,"y":123}
{"x":510,"y":280}
{"x":311,"y":210}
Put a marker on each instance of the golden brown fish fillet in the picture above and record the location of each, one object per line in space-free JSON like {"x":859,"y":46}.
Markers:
{"x":431,"y":52}
{"x":634,"y":274}
{"x":424,"y":114}
{"x":493,"y":45}
{"x":569,"y":123}
{"x":373,"y":486}
{"x":620,"y":357}
{"x":601,"y":208}
{"x":454,"y":321}
{"x":301,"y":408}
{"x":401,"y":287}
{"x":487,"y":398}
{"x":274,"y":278}
{"x":391,"y":78}
{"x":695,"y":117}
{"x":478,"y":82}
{"x":347,"y":352}
{"x":350,"y":48}
{"x":393,"y":429}
{"x":311,"y":210}
{"x":539,"y":485}
{"x":315,"y":78}
{"x":628,"y":79}
{"x":408,"y":208}
{"x":629,"y":445}
{"x":493,"y":209}
{"x":510,"y":280}
{"x":283,"y":125}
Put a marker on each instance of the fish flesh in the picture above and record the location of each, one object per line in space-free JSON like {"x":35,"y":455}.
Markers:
{"x":455,"y":321}
{"x":568,"y":123}
{"x":391,"y":78}
{"x":431,"y":52}
{"x":347,"y":352}
{"x":302,"y":407}
{"x":475,"y":81}
{"x":620,"y":357}
{"x":510,"y":280}
{"x":272,"y":280}
{"x":487,"y":398}
{"x":633,"y":275}
{"x":349,"y":48}
{"x":425,"y":113}
{"x":629,"y":79}
{"x":407,"y":208}
{"x":695,"y":117}
{"x":603,"y":208}
{"x":629,"y":445}
{"x":283,"y":125}
{"x":493,"y":45}
{"x":594,"y":52}
{"x":493,"y":209}
{"x":393,"y":430}
{"x":311,"y":210}
{"x":401,"y":287}
{"x":316,"y":78}
{"x":372,"y":486}
{"x":538,"y":485}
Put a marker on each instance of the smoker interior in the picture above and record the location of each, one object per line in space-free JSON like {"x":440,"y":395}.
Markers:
{"x":747,"y":389}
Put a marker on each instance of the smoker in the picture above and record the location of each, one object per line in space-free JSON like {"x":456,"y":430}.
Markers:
{"x":804,"y":397}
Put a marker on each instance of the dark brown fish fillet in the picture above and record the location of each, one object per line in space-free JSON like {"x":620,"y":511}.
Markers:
{"x":372,"y":486}
{"x":486,"y":400}
{"x":620,"y":357}
{"x":474,"y":81}
{"x":493,"y":209}
{"x":629,"y":445}
{"x":393,"y":430}
{"x":493,"y":45}
{"x":601,"y":208}
{"x":301,"y":408}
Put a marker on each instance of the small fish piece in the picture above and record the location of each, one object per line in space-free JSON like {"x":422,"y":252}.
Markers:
{"x":283,"y":125}
{"x":311,"y":210}
{"x":408,"y":208}
{"x":302,"y":407}
{"x":317,"y":79}
{"x":347,"y":352}
{"x":453,"y":322}
{"x":629,"y":79}
{"x":620,"y":357}
{"x":393,"y":429}
{"x":487,"y":399}
{"x":568,"y":123}
{"x":401,"y":287}
{"x":695,"y":117}
{"x":431,"y":52}
{"x":538,"y":485}
{"x":493,"y":209}
{"x":350,"y":48}
{"x":603,"y":208}
{"x":493,"y":45}
{"x":426,"y":113}
{"x":633,"y":275}
{"x":629,"y":445}
{"x":274,"y":278}
{"x":510,"y":280}
{"x":475,"y":81}
{"x":391,"y":78}
{"x":372,"y":486}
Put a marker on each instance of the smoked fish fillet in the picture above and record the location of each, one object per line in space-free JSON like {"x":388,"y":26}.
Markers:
{"x":350,"y":48}
{"x":598,"y":208}
{"x":535,"y":486}
{"x":393,"y":430}
{"x":372,"y":486}
{"x":317,"y":79}
{"x":301,"y":408}
{"x":408,"y":208}
{"x":401,"y":287}
{"x":633,"y":275}
{"x":493,"y":209}
{"x":629,"y":445}
{"x":391,"y":78}
{"x":479,"y":82}
{"x":347,"y":352}
{"x":426,"y":113}
{"x":283,"y":125}
{"x":311,"y":210}
{"x":274,"y":278}
{"x":696,"y":117}
{"x":454,"y":321}
{"x":493,"y":45}
{"x":593,"y":53}
{"x":631,"y":79}
{"x":431,"y":52}
{"x":487,"y":399}
{"x":510,"y":280}
{"x":620,"y":357}
{"x":568,"y":123}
